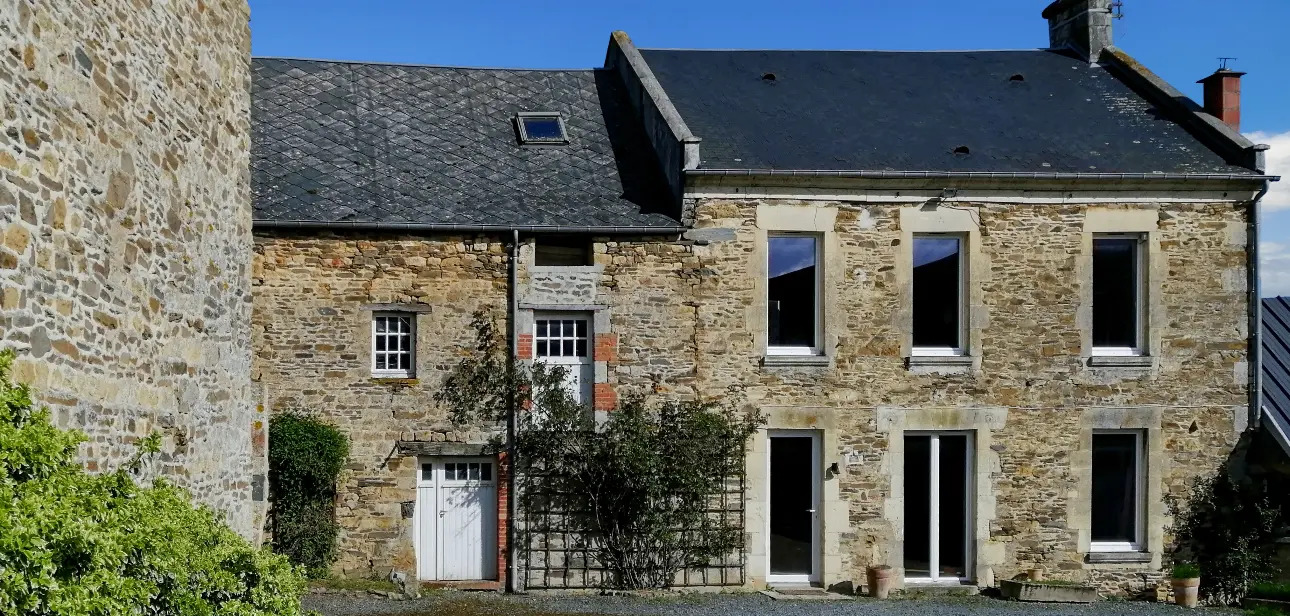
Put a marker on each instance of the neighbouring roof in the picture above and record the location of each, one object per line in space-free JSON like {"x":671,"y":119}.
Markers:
{"x":343,"y":142}
{"x":909,"y":111}
{"x":1276,"y":367}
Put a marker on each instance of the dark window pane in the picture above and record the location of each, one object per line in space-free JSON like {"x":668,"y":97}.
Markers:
{"x":938,"y":284}
{"x":562,"y":251}
{"x":380,"y":361}
{"x":582,"y":348}
{"x":791,"y":292}
{"x":953,"y":502}
{"x":486,"y":472}
{"x":1115,"y":487}
{"x":380,"y":325}
{"x":1115,"y":292}
{"x":541,"y":348}
{"x":541,"y":328}
{"x":405,"y":362}
{"x":380,"y":343}
{"x":582,"y":329}
{"x":567,"y":328}
{"x":568,"y":348}
{"x":542,"y":128}
{"x":918,"y":506}
{"x":427,"y":471}
{"x":403,"y":342}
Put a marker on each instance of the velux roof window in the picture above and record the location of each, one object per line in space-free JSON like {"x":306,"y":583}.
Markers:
{"x":541,"y":127}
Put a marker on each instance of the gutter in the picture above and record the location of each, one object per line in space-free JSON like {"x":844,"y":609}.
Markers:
{"x":1256,"y":317}
{"x":951,"y":175}
{"x":459,"y":228}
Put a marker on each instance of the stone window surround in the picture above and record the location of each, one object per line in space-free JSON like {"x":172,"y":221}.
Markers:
{"x":834,"y":521}
{"x":363,"y":332}
{"x":949,"y":220}
{"x":1155,"y":465}
{"x":806,"y":218}
{"x":982,"y":423}
{"x":1107,"y":221}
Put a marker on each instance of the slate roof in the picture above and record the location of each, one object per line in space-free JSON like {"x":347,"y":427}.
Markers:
{"x":1276,"y":366}
{"x":908,"y":111}
{"x":363,"y":143}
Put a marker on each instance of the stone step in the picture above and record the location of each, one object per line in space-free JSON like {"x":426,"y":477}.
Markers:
{"x":939,"y":590}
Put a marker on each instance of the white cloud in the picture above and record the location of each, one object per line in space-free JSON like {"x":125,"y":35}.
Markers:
{"x":1278,"y":198}
{"x":1275,"y":268}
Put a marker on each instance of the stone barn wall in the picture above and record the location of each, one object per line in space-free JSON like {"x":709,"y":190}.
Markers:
{"x":125,"y":232}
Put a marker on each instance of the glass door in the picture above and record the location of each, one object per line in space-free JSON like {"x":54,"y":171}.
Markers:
{"x":938,"y":506}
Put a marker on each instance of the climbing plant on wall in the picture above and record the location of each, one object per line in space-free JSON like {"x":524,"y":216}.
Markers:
{"x":305,"y":459}
{"x":637,"y":490}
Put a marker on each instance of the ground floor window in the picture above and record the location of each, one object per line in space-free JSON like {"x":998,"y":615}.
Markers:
{"x":938,"y":506}
{"x":1117,"y":492}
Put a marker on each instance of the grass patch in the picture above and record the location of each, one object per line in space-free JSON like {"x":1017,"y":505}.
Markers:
{"x":1264,"y":610}
{"x":1277,"y":591}
{"x":353,"y":584}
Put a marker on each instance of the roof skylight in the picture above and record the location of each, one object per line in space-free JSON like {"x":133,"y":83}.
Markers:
{"x":541,"y":127}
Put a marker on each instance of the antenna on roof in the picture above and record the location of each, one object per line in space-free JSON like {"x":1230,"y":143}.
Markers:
{"x":1222,"y":63}
{"x":1117,"y":9}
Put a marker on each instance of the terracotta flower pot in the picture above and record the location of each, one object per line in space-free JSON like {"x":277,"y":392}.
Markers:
{"x":1035,"y":575}
{"x":1186,"y":591}
{"x":880,"y":580}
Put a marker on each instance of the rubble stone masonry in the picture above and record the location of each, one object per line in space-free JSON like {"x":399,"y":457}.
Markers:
{"x":684,"y":318}
{"x":125,"y":233}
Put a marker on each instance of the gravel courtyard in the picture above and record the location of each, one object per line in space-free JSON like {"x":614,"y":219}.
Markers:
{"x":493,"y":604}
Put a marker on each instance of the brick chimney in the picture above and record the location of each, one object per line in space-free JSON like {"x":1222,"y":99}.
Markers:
{"x":1082,"y":24}
{"x":1223,"y":96}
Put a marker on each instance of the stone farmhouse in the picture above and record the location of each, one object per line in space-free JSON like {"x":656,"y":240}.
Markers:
{"x":997,"y":305}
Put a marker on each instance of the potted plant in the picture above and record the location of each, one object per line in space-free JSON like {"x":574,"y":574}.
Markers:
{"x":1186,"y":583}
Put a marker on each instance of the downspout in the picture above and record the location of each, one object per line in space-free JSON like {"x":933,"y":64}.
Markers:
{"x":1256,"y":313}
{"x":512,"y":496}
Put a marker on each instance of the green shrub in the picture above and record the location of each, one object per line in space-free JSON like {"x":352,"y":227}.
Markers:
{"x":305,"y":459}
{"x":74,"y":543}
{"x":1277,"y":591}
{"x":1185,"y":571}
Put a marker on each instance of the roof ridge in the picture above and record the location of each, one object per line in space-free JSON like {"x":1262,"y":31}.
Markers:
{"x":419,"y":65}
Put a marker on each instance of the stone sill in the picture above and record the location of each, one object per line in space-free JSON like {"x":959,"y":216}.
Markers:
{"x":396,"y":380}
{"x":1122,"y":361}
{"x":1118,"y":557}
{"x":941,"y":364}
{"x":809,"y":361}
{"x":409,"y":447}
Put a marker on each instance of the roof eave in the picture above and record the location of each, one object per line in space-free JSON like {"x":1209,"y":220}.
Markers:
{"x":985,"y":175}
{"x":413,"y":227}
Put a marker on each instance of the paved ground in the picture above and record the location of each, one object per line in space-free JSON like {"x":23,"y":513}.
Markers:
{"x":493,"y":604}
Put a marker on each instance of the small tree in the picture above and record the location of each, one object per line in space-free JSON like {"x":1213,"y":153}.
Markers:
{"x":639,"y":489}
{"x":1228,"y":526}
{"x":305,"y":459}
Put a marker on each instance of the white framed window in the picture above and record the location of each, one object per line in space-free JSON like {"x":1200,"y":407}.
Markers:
{"x":1119,"y":294}
{"x":794,"y":294}
{"x":564,"y":339}
{"x":940,"y":293}
{"x":393,"y":344}
{"x":1118,"y":479}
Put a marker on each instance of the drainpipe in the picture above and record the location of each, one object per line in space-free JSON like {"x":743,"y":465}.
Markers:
{"x":1256,"y":313}
{"x":512,"y":496}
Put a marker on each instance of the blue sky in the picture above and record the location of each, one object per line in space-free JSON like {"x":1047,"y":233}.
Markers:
{"x":1178,"y":39}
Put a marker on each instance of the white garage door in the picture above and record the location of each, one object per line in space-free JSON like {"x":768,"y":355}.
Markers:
{"x":456,"y":519}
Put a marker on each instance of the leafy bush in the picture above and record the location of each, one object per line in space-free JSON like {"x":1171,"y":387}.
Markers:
{"x":305,"y":459}
{"x":1277,"y":591}
{"x":639,"y":489}
{"x":1185,"y":571}
{"x":74,"y":543}
{"x":1228,"y":527}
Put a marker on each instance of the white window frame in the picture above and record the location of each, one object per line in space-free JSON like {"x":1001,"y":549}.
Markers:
{"x":412,"y":345}
{"x":943,"y":351}
{"x":817,"y":348}
{"x":1138,"y":544}
{"x":934,"y":497}
{"x":1140,"y":296}
{"x":584,"y":364}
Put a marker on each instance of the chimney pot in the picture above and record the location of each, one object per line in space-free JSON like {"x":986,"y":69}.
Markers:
{"x":1082,"y":24}
{"x":1223,"y":96}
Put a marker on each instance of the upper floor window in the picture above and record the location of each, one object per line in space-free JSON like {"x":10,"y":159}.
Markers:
{"x":561,"y":250}
{"x":1118,"y":295}
{"x":564,"y":339}
{"x":1117,"y":492}
{"x":793,"y":293}
{"x":393,"y":344}
{"x":939,"y":295}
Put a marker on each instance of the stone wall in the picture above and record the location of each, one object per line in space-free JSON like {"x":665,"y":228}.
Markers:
{"x":125,"y":217}
{"x":685,"y":318}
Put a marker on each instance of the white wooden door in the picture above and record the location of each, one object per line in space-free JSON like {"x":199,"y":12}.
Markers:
{"x":456,"y":525}
{"x":564,"y":339}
